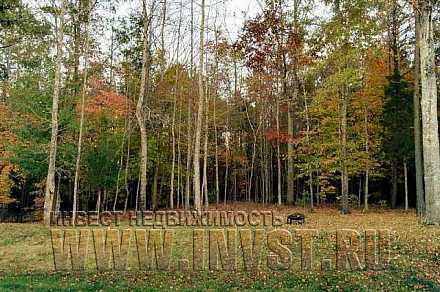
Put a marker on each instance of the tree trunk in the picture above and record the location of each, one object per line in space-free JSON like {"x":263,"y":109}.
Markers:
{"x":318,"y":191}
{"x":140,"y":115}
{"x":264,"y":170}
{"x":344,"y":174}
{"x":58,"y":198}
{"x":121,"y":161}
{"x":50,"y":182}
{"x":367,"y":150}
{"x":105,"y":201}
{"x":196,"y":181}
{"x":420,"y":193}
{"x":252,"y":169}
{"x":81,"y":122}
{"x":262,"y":174}
{"x":431,"y":148}
{"x":278,"y":151}
{"x":188,"y":156}
{"x":309,"y":164}
{"x":271,"y":173}
{"x":268,"y":171}
{"x":290,"y":125}
{"x":179,"y":158}
{"x":112,"y":53}
{"x":76,"y":46}
{"x":179,"y":153}
{"x":290,"y":174}
{"x":98,"y":202}
{"x":217,"y":181}
{"x":235,"y":185}
{"x":405,"y":169}
{"x":225,"y":197}
{"x":367,"y":178}
{"x":173,"y":143}
{"x":311,"y":190}
{"x":154,"y":187}
{"x":127,"y":189}
{"x":162,"y":31}
{"x":394,"y":183}
{"x":205,"y":148}
{"x":189,"y":136}
{"x":137,"y":193}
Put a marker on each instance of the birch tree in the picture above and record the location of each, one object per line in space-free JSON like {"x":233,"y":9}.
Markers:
{"x":50,"y":182}
{"x":189,"y":136}
{"x":196,"y":181}
{"x":81,"y":122}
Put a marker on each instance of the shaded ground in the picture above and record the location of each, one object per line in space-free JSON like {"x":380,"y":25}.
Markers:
{"x":26,"y":260}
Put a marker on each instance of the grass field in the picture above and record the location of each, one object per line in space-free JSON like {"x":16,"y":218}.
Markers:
{"x":26,"y":261}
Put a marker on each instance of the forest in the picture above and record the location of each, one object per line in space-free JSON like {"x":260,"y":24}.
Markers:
{"x":146,"y":105}
{"x":323,"y":114}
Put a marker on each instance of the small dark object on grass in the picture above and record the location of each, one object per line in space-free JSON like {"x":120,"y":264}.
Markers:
{"x":296,"y":218}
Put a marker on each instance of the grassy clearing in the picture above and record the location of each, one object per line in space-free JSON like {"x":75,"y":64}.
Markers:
{"x":26,"y":261}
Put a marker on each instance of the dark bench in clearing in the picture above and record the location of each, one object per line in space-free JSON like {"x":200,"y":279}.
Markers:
{"x":297,"y":218}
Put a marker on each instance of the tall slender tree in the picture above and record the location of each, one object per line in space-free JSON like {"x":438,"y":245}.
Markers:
{"x":50,"y":182}
{"x":196,"y":182}
{"x":431,"y":147}
{"x":189,"y":121}
{"x":418,"y":147}
{"x":81,"y":122}
{"x":140,"y":115}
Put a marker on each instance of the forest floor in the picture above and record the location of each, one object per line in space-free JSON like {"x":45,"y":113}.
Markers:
{"x":26,"y":260}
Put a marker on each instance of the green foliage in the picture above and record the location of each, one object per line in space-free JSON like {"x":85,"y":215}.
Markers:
{"x":293,"y":59}
{"x":14,"y":15}
{"x":32,"y":103}
{"x":398,"y":142}
{"x":101,"y":159}
{"x":343,"y":79}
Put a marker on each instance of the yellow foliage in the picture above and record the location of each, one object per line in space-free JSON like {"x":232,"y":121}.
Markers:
{"x":5,"y":184}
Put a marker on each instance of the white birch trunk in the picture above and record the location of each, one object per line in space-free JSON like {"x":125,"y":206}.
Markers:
{"x":81,"y":122}
{"x":50,"y":182}
{"x":196,"y":180}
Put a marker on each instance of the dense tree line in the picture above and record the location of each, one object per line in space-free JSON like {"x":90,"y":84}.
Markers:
{"x":166,"y":108}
